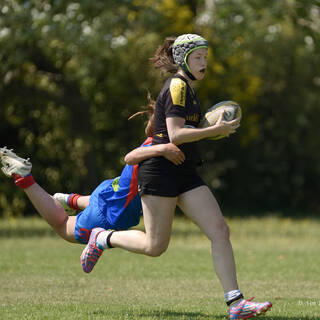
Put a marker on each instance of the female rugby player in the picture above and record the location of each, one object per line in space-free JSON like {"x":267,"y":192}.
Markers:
{"x":114,"y":204}
{"x":163,"y":186}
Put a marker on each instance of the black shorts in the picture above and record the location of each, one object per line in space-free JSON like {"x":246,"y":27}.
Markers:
{"x":163,"y":178}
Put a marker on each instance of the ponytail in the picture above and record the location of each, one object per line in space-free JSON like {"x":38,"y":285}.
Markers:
{"x":163,"y":59}
{"x":149,"y":111}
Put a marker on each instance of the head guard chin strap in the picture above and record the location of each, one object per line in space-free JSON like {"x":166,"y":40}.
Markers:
{"x":183,"y":46}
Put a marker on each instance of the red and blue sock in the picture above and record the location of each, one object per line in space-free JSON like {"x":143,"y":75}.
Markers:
{"x":72,"y":201}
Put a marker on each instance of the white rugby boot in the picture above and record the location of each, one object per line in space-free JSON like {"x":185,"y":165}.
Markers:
{"x":14,"y":165}
{"x":62,"y":198}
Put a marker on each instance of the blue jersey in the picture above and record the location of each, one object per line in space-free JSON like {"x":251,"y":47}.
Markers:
{"x":114,"y":204}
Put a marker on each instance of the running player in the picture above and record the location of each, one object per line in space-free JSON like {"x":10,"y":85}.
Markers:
{"x":163,"y":186}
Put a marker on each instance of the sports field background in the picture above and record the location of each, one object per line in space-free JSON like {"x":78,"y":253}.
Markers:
{"x":72,"y":73}
{"x":41,"y":277}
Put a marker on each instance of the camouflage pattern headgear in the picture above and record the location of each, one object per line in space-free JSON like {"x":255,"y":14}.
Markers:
{"x":183,"y":46}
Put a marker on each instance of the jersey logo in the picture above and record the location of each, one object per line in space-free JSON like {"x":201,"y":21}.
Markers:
{"x":115,"y":184}
{"x":178,"y":90}
{"x":160,"y":135}
{"x":193,"y":117}
{"x":84,"y":235}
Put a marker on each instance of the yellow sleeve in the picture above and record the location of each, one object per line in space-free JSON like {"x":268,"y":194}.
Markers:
{"x":178,"y":91}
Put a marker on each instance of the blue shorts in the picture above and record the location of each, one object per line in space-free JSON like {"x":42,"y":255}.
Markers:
{"x":114,"y":204}
{"x":109,"y":208}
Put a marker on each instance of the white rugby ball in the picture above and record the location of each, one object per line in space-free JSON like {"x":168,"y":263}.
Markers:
{"x":231,"y":111}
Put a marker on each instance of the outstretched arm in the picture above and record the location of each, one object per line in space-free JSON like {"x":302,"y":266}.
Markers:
{"x":168,"y":150}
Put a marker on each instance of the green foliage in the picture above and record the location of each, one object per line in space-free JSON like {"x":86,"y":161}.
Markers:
{"x":73,"y":72}
{"x":279,"y":139}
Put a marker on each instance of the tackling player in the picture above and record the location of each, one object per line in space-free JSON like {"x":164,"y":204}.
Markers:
{"x":115,"y":204}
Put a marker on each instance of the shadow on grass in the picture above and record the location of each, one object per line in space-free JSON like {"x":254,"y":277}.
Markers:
{"x":164,"y":315}
{"x":186,"y":315}
{"x":288,"y":318}
{"x":169,"y":314}
{"x":199,"y":316}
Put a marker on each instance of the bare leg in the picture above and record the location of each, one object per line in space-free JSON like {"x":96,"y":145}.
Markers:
{"x":202,"y":208}
{"x":83,"y":202}
{"x":158,"y":214}
{"x":52,"y":211}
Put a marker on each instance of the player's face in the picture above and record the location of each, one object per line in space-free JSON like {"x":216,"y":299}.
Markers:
{"x":197,"y":61}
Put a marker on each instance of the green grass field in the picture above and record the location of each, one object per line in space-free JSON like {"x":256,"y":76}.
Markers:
{"x":41,"y":276}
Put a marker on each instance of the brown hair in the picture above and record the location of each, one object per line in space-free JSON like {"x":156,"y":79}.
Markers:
{"x":149,"y":111}
{"x":163,"y":59}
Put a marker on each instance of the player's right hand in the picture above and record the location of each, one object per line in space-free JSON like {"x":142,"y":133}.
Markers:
{"x":172,"y":153}
{"x":225,"y":128}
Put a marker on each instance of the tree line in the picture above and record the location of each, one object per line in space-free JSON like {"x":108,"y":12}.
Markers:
{"x":72,"y":73}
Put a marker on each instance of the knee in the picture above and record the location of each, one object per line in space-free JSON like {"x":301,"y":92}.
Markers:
{"x":60,"y":227}
{"x":155,"y":250}
{"x":221,"y":233}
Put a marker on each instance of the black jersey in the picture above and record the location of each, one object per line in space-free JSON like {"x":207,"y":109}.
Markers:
{"x":177,"y":99}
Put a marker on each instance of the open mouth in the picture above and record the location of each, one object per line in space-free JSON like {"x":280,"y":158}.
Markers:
{"x":202,"y":70}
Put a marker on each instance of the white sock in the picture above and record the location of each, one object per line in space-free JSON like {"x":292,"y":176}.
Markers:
{"x":233,"y":295}
{"x":103,"y":239}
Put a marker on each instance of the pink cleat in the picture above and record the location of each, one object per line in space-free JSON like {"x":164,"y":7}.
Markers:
{"x":247,"y":309}
{"x":91,"y":253}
